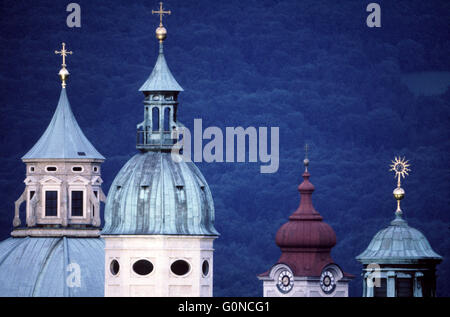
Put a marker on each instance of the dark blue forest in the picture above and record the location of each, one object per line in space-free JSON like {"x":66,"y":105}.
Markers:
{"x":358,"y":95}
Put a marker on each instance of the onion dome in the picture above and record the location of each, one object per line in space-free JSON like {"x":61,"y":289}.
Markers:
{"x":305,"y":240}
{"x":52,"y":267}
{"x":63,"y":138}
{"x":154,"y":195}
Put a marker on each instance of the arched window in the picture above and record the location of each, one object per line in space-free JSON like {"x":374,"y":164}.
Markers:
{"x":155,"y":119}
{"x":167,"y":119}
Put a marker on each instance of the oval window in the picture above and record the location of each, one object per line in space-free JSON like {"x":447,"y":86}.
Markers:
{"x":180,"y":267}
{"x":143,"y":267}
{"x":205,"y":268}
{"x":51,"y":169}
{"x":77,"y":169}
{"x":114,"y":267}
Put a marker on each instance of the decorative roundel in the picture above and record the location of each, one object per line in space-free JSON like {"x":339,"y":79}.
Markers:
{"x":327,"y":282}
{"x":285,"y":281}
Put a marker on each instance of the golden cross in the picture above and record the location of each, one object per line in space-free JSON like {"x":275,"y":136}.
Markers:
{"x":161,"y":13}
{"x":63,"y":52}
{"x":306,"y":150}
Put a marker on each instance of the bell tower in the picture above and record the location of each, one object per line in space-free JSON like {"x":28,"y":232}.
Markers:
{"x":305,"y":268}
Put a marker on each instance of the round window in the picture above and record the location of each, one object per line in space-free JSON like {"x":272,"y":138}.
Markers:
{"x":180,"y":267}
{"x":143,"y":267}
{"x":114,"y":267}
{"x":205,"y":268}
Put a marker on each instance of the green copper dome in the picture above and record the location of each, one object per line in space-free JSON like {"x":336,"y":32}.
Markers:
{"x":398,"y":244}
{"x":154,"y":195}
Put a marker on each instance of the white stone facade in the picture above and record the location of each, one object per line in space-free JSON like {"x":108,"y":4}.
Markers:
{"x":62,"y":176}
{"x":162,"y":251}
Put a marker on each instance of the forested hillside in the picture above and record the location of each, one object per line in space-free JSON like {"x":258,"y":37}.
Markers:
{"x":312,"y":68}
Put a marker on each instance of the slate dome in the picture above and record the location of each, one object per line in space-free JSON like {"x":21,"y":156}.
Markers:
{"x":154,"y":195}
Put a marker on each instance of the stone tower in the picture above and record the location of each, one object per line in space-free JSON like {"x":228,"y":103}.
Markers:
{"x":159,"y":216}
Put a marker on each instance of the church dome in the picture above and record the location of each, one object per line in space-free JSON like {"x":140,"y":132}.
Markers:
{"x":398,"y":244}
{"x":154,"y":195}
{"x":48,"y":267}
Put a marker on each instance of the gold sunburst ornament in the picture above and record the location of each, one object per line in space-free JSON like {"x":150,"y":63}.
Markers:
{"x":401,"y":168}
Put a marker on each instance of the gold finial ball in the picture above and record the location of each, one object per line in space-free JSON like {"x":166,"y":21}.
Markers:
{"x":161,"y":33}
{"x":63,"y":74}
{"x":399,"y":193}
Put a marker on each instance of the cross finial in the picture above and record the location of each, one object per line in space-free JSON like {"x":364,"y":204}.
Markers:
{"x":63,"y":52}
{"x":161,"y":13}
{"x":63,"y":73}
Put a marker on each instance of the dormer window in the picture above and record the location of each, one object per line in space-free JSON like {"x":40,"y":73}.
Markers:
{"x":77,"y":169}
{"x":81,"y":154}
{"x":51,"y":168}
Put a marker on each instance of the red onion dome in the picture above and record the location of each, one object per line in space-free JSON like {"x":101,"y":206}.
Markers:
{"x":305,"y":240}
{"x":305,"y":228}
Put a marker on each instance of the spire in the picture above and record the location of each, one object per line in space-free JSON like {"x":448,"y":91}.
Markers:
{"x":63,"y":138}
{"x":401,"y":169}
{"x":306,"y":209}
{"x":161,"y":79}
